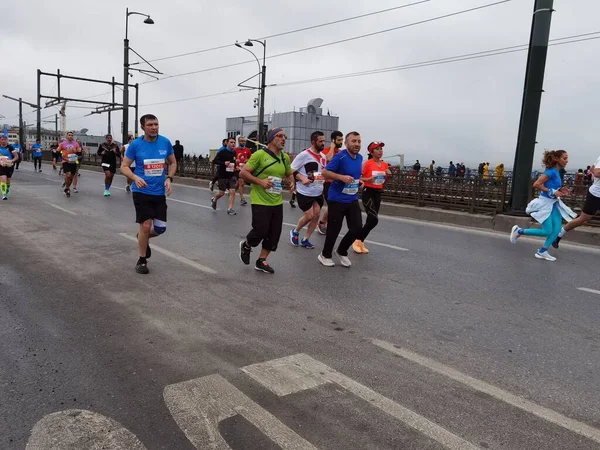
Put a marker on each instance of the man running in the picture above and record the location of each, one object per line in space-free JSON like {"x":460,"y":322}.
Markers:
{"x":211,"y":185}
{"x":8,"y":157}
{"x":590,"y":207}
{"x":70,"y":151}
{"x":228,"y":178}
{"x":37,"y":155}
{"x":308,"y":167}
{"x":108,"y":150}
{"x":344,"y":170}
{"x":55,"y":154}
{"x":150,"y":152}
{"x":337,"y":139}
{"x":266,"y":170}
{"x":19,"y":150}
{"x":132,"y":166}
{"x":243,"y":154}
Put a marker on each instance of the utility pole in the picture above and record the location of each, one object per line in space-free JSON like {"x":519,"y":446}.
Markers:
{"x":530,"y":109}
{"x":261,"y":117}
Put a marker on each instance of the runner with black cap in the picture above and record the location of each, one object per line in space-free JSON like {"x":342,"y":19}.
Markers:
{"x":266,"y":170}
{"x":374,"y":175}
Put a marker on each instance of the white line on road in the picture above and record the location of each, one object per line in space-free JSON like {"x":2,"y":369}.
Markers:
{"x":189,"y":203}
{"x":591,"y":291}
{"x":481,"y":386}
{"x":54,"y":181}
{"x":300,"y":372}
{"x":181,"y":259}
{"x":381,"y":244}
{"x":62,"y":209}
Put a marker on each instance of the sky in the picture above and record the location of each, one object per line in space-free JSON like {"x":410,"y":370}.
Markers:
{"x":462,"y":111}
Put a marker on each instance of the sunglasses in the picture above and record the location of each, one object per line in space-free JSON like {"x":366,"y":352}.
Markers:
{"x":281,"y":136}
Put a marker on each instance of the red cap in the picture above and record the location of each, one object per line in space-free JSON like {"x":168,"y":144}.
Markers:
{"x":373,"y":145}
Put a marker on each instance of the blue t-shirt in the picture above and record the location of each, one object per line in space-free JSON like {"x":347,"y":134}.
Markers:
{"x":17,"y":147}
{"x":37,"y":150}
{"x":344,"y":164}
{"x":554,"y":181}
{"x":5,"y":151}
{"x":150,"y":163}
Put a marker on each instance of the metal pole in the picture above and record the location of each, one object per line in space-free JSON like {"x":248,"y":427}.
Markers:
{"x":125,"y":80}
{"x":263,"y":85}
{"x":56,"y":127}
{"x":113,"y":105}
{"x":137,"y":96}
{"x":530,"y":109}
{"x":39,"y":106}
{"x":21,"y":130}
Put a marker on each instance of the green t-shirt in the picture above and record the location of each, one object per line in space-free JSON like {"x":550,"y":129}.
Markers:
{"x":280,"y":169}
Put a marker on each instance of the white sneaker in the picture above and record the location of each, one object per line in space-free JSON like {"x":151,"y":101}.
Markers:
{"x":547,"y":256}
{"x":327,"y":262}
{"x":514,"y":234}
{"x":343,"y":259}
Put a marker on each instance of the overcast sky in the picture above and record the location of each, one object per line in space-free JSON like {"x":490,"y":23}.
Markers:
{"x":464,"y":111}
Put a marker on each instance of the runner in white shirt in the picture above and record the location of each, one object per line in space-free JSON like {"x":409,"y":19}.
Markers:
{"x":132,"y":166}
{"x":590,"y":207}
{"x":308,"y":167}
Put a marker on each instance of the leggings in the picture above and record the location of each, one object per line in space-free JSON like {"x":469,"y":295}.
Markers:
{"x":550,"y":228}
{"x":37,"y":160}
{"x":371,"y":199}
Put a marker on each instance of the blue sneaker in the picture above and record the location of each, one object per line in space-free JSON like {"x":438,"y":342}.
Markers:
{"x":294,"y":235}
{"x":306,"y":244}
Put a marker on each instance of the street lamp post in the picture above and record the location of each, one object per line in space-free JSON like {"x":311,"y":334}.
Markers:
{"x":148,"y":21}
{"x":263,"y":85}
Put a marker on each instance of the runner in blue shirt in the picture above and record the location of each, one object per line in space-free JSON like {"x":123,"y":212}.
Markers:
{"x":151,"y":153}
{"x":18,"y":148}
{"x":37,"y":155}
{"x":8,"y":156}
{"x":344,"y":170}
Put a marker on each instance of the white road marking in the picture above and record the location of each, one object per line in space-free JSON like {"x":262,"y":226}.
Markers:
{"x":181,"y":259}
{"x":198,"y":406}
{"x":54,"y":181}
{"x":189,"y":203}
{"x":381,"y":244}
{"x":300,"y":372}
{"x":481,"y":386}
{"x":62,"y":209}
{"x":591,"y":291}
{"x":76,"y":428}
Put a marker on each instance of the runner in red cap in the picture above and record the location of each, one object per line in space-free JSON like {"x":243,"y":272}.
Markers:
{"x":374,"y":175}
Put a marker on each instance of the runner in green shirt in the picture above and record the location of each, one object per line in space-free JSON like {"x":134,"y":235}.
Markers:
{"x":266,"y":170}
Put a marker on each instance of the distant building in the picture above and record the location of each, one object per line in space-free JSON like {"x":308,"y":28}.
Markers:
{"x":298,"y":125}
{"x":90,"y":142}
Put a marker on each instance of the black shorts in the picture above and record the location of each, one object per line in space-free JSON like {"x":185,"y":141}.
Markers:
{"x":69,"y":167}
{"x":305,"y":202}
{"x":112,"y":168}
{"x":149,"y":207}
{"x":7,"y":171}
{"x":591,"y":205}
{"x":267,"y":222}
{"x":228,"y":183}
{"x":326,"y":187}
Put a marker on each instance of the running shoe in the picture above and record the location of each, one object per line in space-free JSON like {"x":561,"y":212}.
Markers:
{"x":292,"y":204}
{"x":128,"y":188}
{"x":67,"y":192}
{"x":263,"y":266}
{"x":64,"y":184}
{"x":213,"y":203}
{"x":343,"y":259}
{"x":243,"y":202}
{"x":106,"y":193}
{"x":75,"y":191}
{"x":141,"y":267}
{"x":556,"y":241}
{"x":514,"y":234}
{"x":4,"y":197}
{"x":294,"y":235}
{"x":230,"y":212}
{"x":211,"y":185}
{"x":364,"y":249}
{"x":544,"y":255}
{"x":40,"y":170}
{"x":245,"y":252}
{"x":306,"y":244}
{"x":322,"y":228}
{"x":357,"y":247}
{"x":327,"y":262}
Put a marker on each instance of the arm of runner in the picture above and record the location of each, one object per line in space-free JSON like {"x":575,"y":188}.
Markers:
{"x":539,"y":183}
{"x":330,"y":154}
{"x":126,"y":170}
{"x":291,"y":180}
{"x":595,"y":171}
{"x":172,"y":169}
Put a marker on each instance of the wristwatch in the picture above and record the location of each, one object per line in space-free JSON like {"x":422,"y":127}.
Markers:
{"x":170,"y":178}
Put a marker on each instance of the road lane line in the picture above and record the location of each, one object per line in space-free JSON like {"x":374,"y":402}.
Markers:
{"x":591,"y":291}
{"x":54,"y":181}
{"x":481,"y":386}
{"x":300,"y":372}
{"x":62,"y":209}
{"x":181,"y":259}
{"x":381,"y":244}
{"x":188,"y":203}
{"x":199,"y":405}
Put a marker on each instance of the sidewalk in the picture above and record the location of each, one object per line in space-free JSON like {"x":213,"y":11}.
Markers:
{"x":500,"y":222}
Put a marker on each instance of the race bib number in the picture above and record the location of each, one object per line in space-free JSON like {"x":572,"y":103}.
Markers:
{"x":350,"y":188}
{"x":277,"y":186}
{"x":72,"y":157}
{"x":105,"y":165}
{"x":154,"y":167}
{"x":230,"y":167}
{"x":379,"y":178}
{"x":319,"y":179}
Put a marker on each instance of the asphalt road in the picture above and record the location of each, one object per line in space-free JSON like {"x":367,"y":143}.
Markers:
{"x":441,"y":337}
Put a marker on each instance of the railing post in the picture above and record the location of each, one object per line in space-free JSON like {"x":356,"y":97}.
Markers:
{"x":420,"y":182}
{"x":502,"y":207}
{"x":196,"y":168}
{"x":474,"y":193}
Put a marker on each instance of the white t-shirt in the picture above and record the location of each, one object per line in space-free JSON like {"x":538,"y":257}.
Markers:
{"x":595,"y":188}
{"x":132,"y":166}
{"x":310,"y":164}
